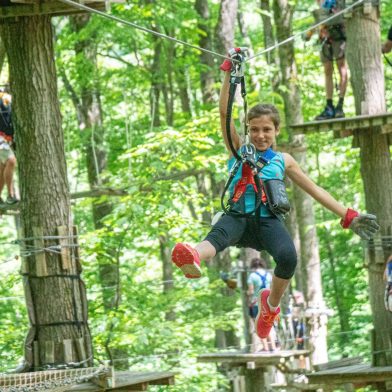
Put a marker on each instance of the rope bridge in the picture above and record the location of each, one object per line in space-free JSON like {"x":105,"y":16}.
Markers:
{"x":53,"y":380}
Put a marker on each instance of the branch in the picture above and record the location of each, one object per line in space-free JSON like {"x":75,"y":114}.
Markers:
{"x":115,"y":57}
{"x":71,"y":91}
{"x":98,"y":192}
{"x":181,"y":175}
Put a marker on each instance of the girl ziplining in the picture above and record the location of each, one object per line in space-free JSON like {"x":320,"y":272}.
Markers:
{"x":251,"y":218}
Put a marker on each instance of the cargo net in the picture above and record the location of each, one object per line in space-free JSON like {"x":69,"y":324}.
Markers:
{"x":50,"y":380}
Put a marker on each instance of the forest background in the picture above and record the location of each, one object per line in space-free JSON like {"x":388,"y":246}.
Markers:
{"x":154,"y":137}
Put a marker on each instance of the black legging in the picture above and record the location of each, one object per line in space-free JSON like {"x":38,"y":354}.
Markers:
{"x":270,"y":235}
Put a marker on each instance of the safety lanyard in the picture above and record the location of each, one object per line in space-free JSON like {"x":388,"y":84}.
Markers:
{"x":247,"y":153}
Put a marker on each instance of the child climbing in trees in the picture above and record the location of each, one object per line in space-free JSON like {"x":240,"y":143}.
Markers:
{"x":264,"y":231}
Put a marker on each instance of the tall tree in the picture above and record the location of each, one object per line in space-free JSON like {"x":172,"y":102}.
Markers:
{"x":224,"y":31}
{"x":55,"y":294}
{"x":367,"y":79}
{"x":207,"y":77}
{"x":309,"y":253}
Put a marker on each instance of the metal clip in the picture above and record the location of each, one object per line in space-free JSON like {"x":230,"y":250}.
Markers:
{"x":238,"y":56}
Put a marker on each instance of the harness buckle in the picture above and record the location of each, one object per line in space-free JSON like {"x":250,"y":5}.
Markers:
{"x":248,"y":155}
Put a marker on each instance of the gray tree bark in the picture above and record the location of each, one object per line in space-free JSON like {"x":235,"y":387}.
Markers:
{"x":367,"y":78}
{"x":56,"y":304}
{"x":310,"y":259}
{"x":224,"y":32}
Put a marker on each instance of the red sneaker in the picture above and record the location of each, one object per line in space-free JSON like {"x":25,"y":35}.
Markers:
{"x":265,"y":318}
{"x":187,"y":258}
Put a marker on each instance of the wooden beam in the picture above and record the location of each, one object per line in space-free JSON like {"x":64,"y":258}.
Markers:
{"x":338,"y":363}
{"x":48,"y":8}
{"x":344,"y":127}
{"x":40,"y":257}
{"x":65,"y":243}
{"x":363,"y":373}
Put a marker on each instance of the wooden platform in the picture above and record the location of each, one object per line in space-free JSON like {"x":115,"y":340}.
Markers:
{"x":130,"y":381}
{"x":15,"y":8}
{"x":259,"y":359}
{"x":344,"y":127}
{"x":362,"y":373}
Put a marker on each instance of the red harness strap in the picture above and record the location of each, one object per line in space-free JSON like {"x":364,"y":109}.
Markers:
{"x":246,"y":179}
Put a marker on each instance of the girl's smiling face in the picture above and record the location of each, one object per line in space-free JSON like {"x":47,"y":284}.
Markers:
{"x":262,"y":132}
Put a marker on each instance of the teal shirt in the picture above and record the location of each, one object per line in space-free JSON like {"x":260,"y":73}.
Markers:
{"x":274,"y":170}
{"x":256,"y":281}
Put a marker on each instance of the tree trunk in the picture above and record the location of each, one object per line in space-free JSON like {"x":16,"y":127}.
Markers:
{"x":224,"y":32}
{"x":2,"y":55}
{"x":168,"y":89}
{"x":269,"y":40}
{"x":156,"y":84}
{"x":55,"y":294}
{"x":367,"y":79}
{"x":167,"y":272}
{"x":248,"y":43}
{"x":310,"y":259}
{"x":207,"y":78}
{"x":180,"y":75}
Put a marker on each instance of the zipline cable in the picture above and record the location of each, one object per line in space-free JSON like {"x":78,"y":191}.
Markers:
{"x":266,"y":50}
{"x":293,"y":37}
{"x":116,"y":19}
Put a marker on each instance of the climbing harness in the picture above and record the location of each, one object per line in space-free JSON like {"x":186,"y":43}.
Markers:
{"x":247,"y":152}
{"x":252,"y":163}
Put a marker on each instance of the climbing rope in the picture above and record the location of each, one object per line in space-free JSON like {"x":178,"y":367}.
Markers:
{"x":128,"y":23}
{"x":266,"y":50}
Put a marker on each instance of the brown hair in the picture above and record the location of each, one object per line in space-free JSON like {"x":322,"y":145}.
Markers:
{"x":258,"y":263}
{"x":265,"y":109}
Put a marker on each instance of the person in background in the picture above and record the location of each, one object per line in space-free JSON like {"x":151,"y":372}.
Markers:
{"x":7,"y":156}
{"x":387,"y":46}
{"x":388,"y":287}
{"x":332,"y":38}
{"x":258,"y":279}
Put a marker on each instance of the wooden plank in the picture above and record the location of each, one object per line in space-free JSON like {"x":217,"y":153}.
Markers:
{"x":24,"y":267}
{"x":36,"y":354}
{"x":363,"y":373}
{"x":261,"y":359}
{"x":80,"y":350}
{"x":345,"y":124}
{"x":40,"y":258}
{"x":338,"y":363}
{"x":49,"y":351}
{"x":130,"y":381}
{"x":164,"y":381}
{"x":62,"y":231}
{"x":386,"y":128}
{"x":76,"y":250}
{"x":68,"y":351}
{"x":52,"y":8}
